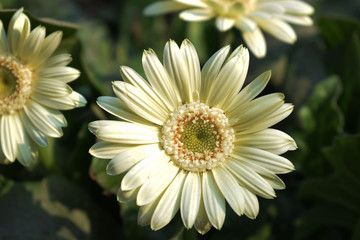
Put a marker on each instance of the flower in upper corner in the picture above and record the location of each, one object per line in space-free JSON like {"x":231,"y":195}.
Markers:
{"x":249,"y":16}
{"x":191,"y":140}
{"x":33,"y":87}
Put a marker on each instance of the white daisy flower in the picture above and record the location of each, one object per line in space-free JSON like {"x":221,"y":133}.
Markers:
{"x":191,"y":140}
{"x":33,"y":86}
{"x":249,"y":16}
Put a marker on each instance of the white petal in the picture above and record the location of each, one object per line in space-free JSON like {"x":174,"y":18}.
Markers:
{"x":43,"y":119}
{"x":256,"y":42}
{"x":60,"y":73}
{"x":190,"y":199}
{"x":132,"y":77}
{"x":247,"y":94}
{"x":140,"y":103}
{"x":8,"y":136}
{"x":18,"y":31}
{"x":270,"y":161}
{"x":108,"y":150}
{"x":146,"y":212}
{"x":197,"y":14}
{"x":193,"y":65}
{"x":270,"y":140}
{"x":251,"y":204}
{"x":70,"y":101}
{"x":214,"y":201}
{"x":32,"y":44}
{"x":211,"y":69}
{"x":164,"y":7}
{"x":231,"y":190}
{"x":52,"y":88}
{"x":297,"y":7}
{"x":35,"y":134}
{"x":169,"y":203}
{"x":60,"y":60}
{"x":256,"y":110}
{"x":143,"y":171}
{"x":278,"y":29}
{"x":127,"y":196}
{"x":249,"y":179}
{"x":128,"y":158}
{"x":229,"y":80}
{"x":3,"y":39}
{"x":270,"y":120}
{"x":27,"y":151}
{"x":155,"y":185}
{"x":299,"y":20}
{"x":176,"y":67}
{"x":202,"y":223}
{"x":124,"y":132}
{"x":160,"y":80}
{"x":246,"y":24}
{"x":117,"y":107}
{"x":48,"y":47}
{"x":224,"y":24}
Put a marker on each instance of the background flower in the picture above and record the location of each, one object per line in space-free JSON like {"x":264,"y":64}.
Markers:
{"x":249,"y":16}
{"x":33,"y":86}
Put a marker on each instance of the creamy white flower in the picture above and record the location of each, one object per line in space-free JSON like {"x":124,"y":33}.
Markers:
{"x":249,"y":16}
{"x":191,"y":140}
{"x":32,"y":89}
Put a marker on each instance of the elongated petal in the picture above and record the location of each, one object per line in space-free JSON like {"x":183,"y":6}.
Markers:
{"x":249,"y":179}
{"x":211,"y":69}
{"x":35,"y":134}
{"x":142,"y":171}
{"x":190,"y":199}
{"x":270,"y":140}
{"x":4,"y":47}
{"x":270,"y":161}
{"x":278,"y":29}
{"x":109,"y":150}
{"x":128,"y":158}
{"x":8,"y":134}
{"x":126,"y":196}
{"x":246,"y":24}
{"x":140,"y":102}
{"x":146,"y":212}
{"x":52,"y":88}
{"x":296,"y":7}
{"x":197,"y":14}
{"x":251,"y":204}
{"x":256,"y":42}
{"x":164,"y":7}
{"x":48,"y":47}
{"x":118,"y":108}
{"x":60,"y":73}
{"x":129,"y":133}
{"x":70,"y":101}
{"x":224,"y":24}
{"x":33,"y":44}
{"x":169,"y":203}
{"x":153,"y":187}
{"x":299,"y":20}
{"x":18,"y":31}
{"x":202,"y":223}
{"x":231,"y":190}
{"x":214,"y":201}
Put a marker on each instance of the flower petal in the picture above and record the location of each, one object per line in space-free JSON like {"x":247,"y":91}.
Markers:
{"x":270,"y":161}
{"x":251,"y":204}
{"x":70,"y":101}
{"x":35,"y":134}
{"x":202,"y":223}
{"x":8,"y":135}
{"x":164,"y":7}
{"x":126,"y":196}
{"x":18,"y":31}
{"x":224,"y":24}
{"x":4,"y":45}
{"x":278,"y":29}
{"x":128,"y":158}
{"x":256,"y":42}
{"x":169,"y":203}
{"x":231,"y":190}
{"x":155,"y":185}
{"x":196,"y":14}
{"x":214,"y":201}
{"x":190,"y":199}
{"x":146,"y":212}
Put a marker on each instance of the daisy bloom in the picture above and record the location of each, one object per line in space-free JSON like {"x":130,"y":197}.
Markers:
{"x":191,"y":140}
{"x":32,"y":89}
{"x":249,"y":16}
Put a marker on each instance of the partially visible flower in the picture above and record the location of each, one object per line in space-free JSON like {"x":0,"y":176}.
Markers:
{"x":249,"y":16}
{"x":33,"y":86}
{"x":190,"y":140}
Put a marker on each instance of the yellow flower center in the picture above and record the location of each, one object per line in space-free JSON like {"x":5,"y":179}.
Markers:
{"x":15,"y":85}
{"x":197,"y":137}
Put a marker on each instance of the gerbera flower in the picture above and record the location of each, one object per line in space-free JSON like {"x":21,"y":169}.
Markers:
{"x":190,"y":140}
{"x":32,"y":89}
{"x":249,"y":16}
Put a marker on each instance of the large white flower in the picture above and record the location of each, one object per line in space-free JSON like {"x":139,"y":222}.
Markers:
{"x":190,"y":140}
{"x":249,"y":16}
{"x":32,"y":89}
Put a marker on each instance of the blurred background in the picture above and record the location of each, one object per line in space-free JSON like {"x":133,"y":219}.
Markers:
{"x":68,"y":195}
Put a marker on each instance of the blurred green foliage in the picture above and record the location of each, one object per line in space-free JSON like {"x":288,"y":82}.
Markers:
{"x":68,"y":195}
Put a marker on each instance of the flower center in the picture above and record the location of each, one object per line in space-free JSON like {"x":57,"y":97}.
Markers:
{"x":197,"y":137}
{"x":15,"y":85}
